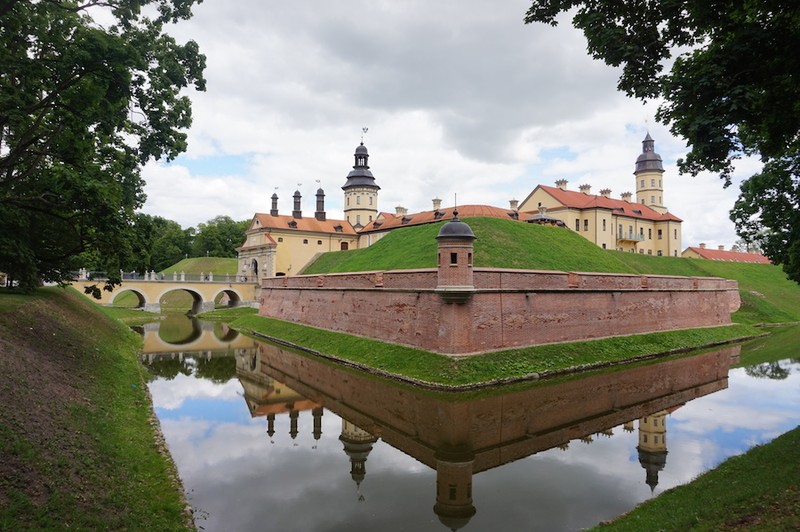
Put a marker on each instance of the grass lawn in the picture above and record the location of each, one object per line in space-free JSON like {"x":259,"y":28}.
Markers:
{"x":759,"y":490}
{"x":444,"y":371}
{"x":78,"y":438}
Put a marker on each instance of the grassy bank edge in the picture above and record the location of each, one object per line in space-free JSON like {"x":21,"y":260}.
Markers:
{"x":128,"y":476}
{"x":436,"y":371}
{"x":758,"y":490}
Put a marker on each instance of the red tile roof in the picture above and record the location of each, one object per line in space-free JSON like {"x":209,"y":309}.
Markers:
{"x":730,"y":256}
{"x":289,"y":223}
{"x":579,"y":200}
{"x":393,"y":221}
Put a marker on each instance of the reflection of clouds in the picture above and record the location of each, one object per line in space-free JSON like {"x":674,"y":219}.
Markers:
{"x":753,"y":404}
{"x":171,"y":394}
{"x":243,"y":482}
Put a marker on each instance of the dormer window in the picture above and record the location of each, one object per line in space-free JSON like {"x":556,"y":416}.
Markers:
{"x":405,"y":220}
{"x":293,"y":224}
{"x":437,"y":214}
{"x":337,"y":228}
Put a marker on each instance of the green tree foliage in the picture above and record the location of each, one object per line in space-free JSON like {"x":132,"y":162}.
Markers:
{"x":82,"y":107}
{"x":732,"y":89}
{"x":219,"y":237}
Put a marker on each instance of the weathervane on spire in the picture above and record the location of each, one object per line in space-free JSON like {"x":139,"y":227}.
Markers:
{"x":363,"y":132}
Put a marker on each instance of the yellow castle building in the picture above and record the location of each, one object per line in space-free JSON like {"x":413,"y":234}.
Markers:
{"x":644,"y":226}
{"x":277,"y":245}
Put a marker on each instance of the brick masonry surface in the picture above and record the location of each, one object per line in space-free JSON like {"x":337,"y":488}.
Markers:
{"x":509,"y":308}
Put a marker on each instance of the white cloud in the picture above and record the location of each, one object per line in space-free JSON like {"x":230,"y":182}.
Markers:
{"x":459,"y":97}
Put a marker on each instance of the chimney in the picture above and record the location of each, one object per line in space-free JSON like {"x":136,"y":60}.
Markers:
{"x":562,"y":184}
{"x":400,"y":211}
{"x":274,"y":210}
{"x":297,"y":213}
{"x":702,"y":245}
{"x":437,"y":204}
{"x":585,"y":188}
{"x":320,"y":214}
{"x":514,"y":204}
{"x":721,"y":248}
{"x":626,"y":196}
{"x":606,"y":192}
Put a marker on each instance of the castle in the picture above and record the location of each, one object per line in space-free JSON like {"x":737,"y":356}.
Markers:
{"x":279,"y":245}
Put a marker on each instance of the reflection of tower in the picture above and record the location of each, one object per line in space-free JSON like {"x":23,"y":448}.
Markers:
{"x":653,"y":446}
{"x":357,"y":445}
{"x":317,"y":432}
{"x":271,"y":426}
{"x":454,"y":487}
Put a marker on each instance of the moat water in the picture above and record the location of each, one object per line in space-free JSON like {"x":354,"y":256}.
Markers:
{"x":268,"y":439}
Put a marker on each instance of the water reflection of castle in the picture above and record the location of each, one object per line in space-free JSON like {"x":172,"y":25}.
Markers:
{"x":459,"y":438}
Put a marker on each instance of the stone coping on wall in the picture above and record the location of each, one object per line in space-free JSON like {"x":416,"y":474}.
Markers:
{"x":500,"y":279}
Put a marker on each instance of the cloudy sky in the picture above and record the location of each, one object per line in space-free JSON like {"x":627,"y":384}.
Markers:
{"x":460,"y":98}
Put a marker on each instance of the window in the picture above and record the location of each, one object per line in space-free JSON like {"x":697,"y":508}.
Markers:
{"x":577,"y":225}
{"x":319,"y":242}
{"x":348,"y":204}
{"x":452,"y":493}
{"x":604,"y":224}
{"x":659,"y":253}
{"x":659,"y":200}
{"x":358,"y":200}
{"x":586,"y":224}
{"x":676,"y":234}
{"x":659,"y":183}
{"x":652,"y":199}
{"x":604,"y":245}
{"x":642,"y":184}
{"x":344,"y":246}
{"x":453,"y":258}
{"x":650,"y":234}
{"x":370,"y":200}
{"x":358,"y":219}
{"x":370,"y":217}
{"x":305,"y":241}
{"x":469,"y":259}
{"x":652,"y":182}
{"x":644,"y":438}
{"x":649,"y":251}
{"x":642,"y":201}
{"x":660,"y":236}
{"x":280,"y":239}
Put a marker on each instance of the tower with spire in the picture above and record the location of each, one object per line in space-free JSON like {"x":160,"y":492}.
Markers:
{"x":649,"y":175}
{"x":360,"y":191}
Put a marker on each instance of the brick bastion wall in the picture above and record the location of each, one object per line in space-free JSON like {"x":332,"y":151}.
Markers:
{"x":501,"y":309}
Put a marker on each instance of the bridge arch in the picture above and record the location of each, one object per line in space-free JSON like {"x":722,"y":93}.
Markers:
{"x":140,"y":297}
{"x":229,"y":298}
{"x":198,"y":304}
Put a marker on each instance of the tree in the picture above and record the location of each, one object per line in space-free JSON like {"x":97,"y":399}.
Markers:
{"x":219,"y":237}
{"x":82,"y":107}
{"x":732,"y":90}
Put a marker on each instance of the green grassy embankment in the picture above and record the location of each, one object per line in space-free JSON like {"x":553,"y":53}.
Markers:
{"x":759,"y":490}
{"x":767,"y":296}
{"x":198,"y":265}
{"x":443,"y":371}
{"x":78,"y":437}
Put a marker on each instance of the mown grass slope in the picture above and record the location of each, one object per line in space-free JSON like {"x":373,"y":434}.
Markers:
{"x":198,"y":265}
{"x":500,"y":244}
{"x":767,"y":296}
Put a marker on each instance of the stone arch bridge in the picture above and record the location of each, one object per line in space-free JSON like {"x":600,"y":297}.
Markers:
{"x":204,"y":292}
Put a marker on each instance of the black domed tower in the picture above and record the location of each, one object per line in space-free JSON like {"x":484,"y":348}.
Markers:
{"x":649,"y":174}
{"x":360,"y":191}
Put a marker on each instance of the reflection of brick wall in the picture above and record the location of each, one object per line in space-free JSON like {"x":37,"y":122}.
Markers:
{"x":510,"y":308}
